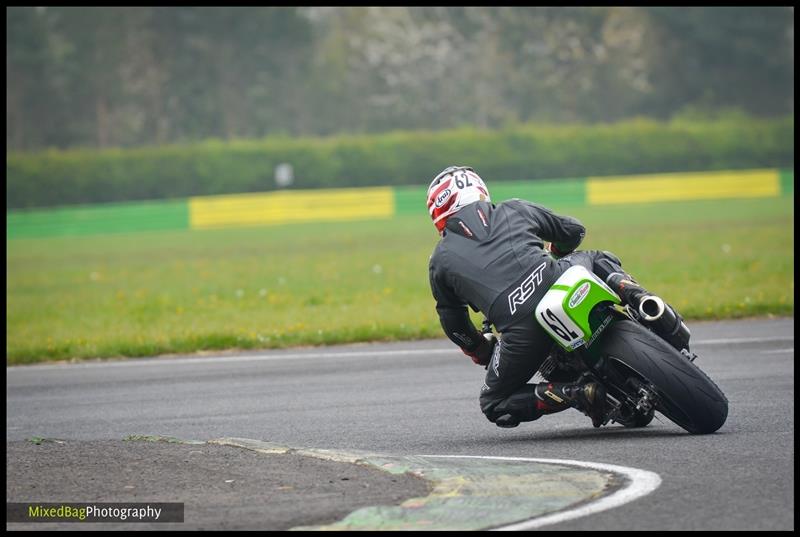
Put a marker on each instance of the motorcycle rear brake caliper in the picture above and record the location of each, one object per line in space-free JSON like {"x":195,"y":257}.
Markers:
{"x":646,"y":403}
{"x":647,"y":399}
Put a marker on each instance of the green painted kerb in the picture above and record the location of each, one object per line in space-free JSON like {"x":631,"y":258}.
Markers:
{"x":476,"y":494}
{"x":90,"y":220}
{"x":410,"y":200}
{"x":550,"y":192}
{"x":787,"y":182}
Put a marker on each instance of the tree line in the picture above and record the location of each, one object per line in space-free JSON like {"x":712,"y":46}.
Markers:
{"x":139,"y":76}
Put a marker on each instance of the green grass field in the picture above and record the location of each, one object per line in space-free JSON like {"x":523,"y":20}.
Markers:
{"x":179,"y":292}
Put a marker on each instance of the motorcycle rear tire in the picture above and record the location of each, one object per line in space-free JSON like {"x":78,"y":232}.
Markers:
{"x":687,"y":396}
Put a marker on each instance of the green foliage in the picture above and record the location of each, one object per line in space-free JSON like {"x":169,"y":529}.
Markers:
{"x":522,"y":152}
{"x":179,"y":292}
{"x":714,"y":57}
{"x":127,"y":76}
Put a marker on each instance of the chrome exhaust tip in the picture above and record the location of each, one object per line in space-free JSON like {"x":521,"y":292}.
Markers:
{"x":651,"y":308}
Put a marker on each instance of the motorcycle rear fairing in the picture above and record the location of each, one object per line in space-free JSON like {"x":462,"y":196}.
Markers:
{"x":569,"y":310}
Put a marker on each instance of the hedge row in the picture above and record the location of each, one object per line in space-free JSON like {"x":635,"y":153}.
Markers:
{"x":55,"y":178}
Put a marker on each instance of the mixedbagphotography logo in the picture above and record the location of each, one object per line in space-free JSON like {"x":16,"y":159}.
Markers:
{"x":93,"y":512}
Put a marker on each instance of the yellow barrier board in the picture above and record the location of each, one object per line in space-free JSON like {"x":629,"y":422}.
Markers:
{"x":290,"y":206}
{"x":683,"y":186}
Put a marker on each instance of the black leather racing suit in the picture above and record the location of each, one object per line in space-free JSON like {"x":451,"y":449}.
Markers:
{"x":493,"y":259}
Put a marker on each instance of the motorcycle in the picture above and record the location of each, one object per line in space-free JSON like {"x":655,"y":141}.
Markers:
{"x":597,"y":338}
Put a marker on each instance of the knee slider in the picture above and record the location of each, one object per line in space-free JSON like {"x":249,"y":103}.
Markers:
{"x":511,"y":410}
{"x":506,"y":421}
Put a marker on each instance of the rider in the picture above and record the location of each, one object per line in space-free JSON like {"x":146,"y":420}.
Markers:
{"x":494,"y":258}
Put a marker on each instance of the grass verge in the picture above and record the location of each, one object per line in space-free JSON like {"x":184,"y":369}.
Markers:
{"x":185,"y":291}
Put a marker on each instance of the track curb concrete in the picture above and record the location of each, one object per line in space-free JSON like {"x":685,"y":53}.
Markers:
{"x":468,"y":493}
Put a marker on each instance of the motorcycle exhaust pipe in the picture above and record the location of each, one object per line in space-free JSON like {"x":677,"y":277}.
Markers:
{"x":665,"y":321}
{"x":651,"y":308}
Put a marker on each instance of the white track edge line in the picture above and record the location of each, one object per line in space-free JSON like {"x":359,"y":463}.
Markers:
{"x":293,"y":356}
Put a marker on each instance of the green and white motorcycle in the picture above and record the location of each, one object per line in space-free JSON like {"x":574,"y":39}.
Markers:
{"x":597,"y":338}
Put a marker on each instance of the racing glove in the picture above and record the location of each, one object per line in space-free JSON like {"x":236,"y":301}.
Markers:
{"x":555,"y":251}
{"x":482,"y":354}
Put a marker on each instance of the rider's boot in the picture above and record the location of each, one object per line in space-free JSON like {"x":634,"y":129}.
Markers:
{"x":589,"y":397}
{"x":657,"y":314}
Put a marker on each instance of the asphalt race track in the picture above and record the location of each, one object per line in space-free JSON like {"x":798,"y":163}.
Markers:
{"x":421,"y":398}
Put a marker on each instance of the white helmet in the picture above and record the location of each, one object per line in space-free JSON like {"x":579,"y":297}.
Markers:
{"x":452,"y":189}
